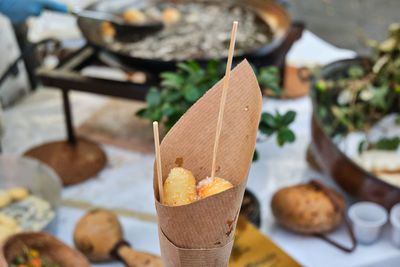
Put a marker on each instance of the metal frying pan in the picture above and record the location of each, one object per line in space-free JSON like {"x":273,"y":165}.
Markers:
{"x":271,"y":13}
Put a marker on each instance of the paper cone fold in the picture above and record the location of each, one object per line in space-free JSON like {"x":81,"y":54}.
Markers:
{"x":206,"y":227}
{"x":175,"y":256}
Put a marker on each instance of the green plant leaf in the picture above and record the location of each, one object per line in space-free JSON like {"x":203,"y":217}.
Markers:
{"x":268,"y":119}
{"x":289,"y":117}
{"x":268,"y":77}
{"x":173,"y":96}
{"x":194,"y":66}
{"x":255,"y":155}
{"x":185,"y":67}
{"x":285,"y":135}
{"x":362,"y":146}
{"x":265,"y":129}
{"x":276,"y":89}
{"x":141,"y":113}
{"x":321,"y":85}
{"x":278,"y":119}
{"x":379,"y":99}
{"x":153,"y":97}
{"x":171,"y":80}
{"x":180,"y":89}
{"x":355,"y":72}
{"x":156,"y":115}
{"x":388,"y":143}
{"x":167,"y":110}
{"x":191,"y":93}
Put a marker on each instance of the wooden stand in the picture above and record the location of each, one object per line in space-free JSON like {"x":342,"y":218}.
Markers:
{"x":74,"y":160}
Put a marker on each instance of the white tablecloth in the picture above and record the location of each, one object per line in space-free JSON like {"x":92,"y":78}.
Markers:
{"x":126,"y":182}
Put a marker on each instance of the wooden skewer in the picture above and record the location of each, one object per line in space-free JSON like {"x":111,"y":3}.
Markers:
{"x":158,"y":160}
{"x":223,"y":98}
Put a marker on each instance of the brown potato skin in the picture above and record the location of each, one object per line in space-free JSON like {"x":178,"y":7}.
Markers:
{"x":96,"y":234}
{"x":305,"y":209}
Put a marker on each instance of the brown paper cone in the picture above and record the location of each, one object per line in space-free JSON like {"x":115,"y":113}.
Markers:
{"x":205,"y":229}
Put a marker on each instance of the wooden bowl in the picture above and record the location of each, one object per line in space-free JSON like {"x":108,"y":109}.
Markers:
{"x":347,"y":174}
{"x":50,"y":249}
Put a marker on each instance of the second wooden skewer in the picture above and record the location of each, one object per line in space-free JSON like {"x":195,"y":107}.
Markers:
{"x":223,"y":98}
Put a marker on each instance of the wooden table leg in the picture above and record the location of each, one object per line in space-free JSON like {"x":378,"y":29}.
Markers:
{"x":68,"y":117}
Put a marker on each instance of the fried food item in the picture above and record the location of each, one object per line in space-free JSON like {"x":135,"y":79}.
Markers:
{"x":211,"y":186}
{"x":179,"y":188}
{"x":5,"y":232}
{"x":4,"y":199}
{"x":171,"y":15}
{"x":18,"y":193}
{"x":8,"y":222}
{"x":108,"y":31}
{"x":134,"y":16}
{"x":8,"y":226}
{"x":306,"y":209}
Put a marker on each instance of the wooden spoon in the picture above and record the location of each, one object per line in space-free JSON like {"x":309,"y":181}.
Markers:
{"x":50,"y":249}
{"x":99,"y":236}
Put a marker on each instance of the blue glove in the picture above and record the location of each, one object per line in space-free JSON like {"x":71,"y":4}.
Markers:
{"x":19,"y":10}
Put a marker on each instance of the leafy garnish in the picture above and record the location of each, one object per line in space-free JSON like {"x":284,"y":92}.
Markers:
{"x":179,"y":90}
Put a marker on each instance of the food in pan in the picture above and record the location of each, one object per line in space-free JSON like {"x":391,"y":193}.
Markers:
{"x":171,"y":15}
{"x":107,"y":31}
{"x":306,"y":209}
{"x":195,"y":30}
{"x":180,"y":187}
{"x":30,"y":258}
{"x":134,"y":16}
{"x":211,"y":186}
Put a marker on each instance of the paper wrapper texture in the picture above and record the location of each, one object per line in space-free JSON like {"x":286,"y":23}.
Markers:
{"x":201,"y":233}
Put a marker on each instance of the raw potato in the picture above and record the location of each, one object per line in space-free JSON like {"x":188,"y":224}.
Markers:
{"x":134,"y":16}
{"x":305,"y":209}
{"x":179,"y":188}
{"x":96,"y":234}
{"x":209,"y":186}
{"x":4,"y":199}
{"x":171,"y":15}
{"x":18,"y":193}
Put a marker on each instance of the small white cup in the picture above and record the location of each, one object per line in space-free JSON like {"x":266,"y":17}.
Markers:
{"x":368,"y":219}
{"x":395,"y":221}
